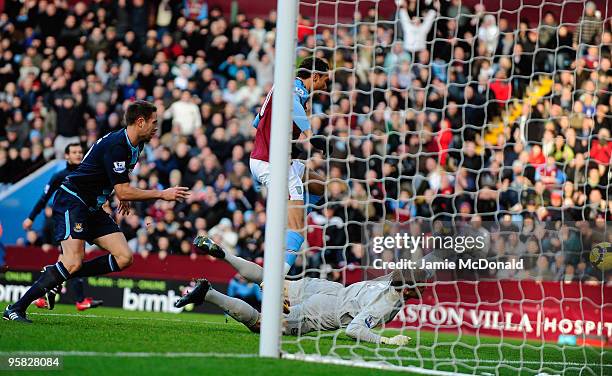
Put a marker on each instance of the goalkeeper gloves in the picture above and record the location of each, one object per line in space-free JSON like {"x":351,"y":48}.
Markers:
{"x":286,"y":302}
{"x":398,"y":340}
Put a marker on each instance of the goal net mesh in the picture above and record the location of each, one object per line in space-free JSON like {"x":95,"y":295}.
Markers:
{"x":483,"y":118}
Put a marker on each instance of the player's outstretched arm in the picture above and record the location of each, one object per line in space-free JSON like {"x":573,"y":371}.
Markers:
{"x":125,"y":192}
{"x":360,"y":329}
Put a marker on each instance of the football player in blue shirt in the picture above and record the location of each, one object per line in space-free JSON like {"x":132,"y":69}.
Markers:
{"x":73,"y":155}
{"x":77,"y":207}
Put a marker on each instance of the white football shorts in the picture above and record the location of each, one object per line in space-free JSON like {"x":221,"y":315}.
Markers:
{"x":261,"y":172}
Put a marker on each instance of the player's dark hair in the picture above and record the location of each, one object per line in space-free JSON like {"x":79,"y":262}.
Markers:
{"x":312,"y":65}
{"x":406,"y":278}
{"x":67,"y":149}
{"x":138,"y":109}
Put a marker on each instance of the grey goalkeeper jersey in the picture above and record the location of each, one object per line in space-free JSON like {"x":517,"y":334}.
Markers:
{"x":365,"y":305}
{"x":317,"y":304}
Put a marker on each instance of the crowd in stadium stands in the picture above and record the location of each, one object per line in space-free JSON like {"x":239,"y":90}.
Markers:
{"x":407,"y":114}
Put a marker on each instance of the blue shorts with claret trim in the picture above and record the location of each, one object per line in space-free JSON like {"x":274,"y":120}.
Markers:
{"x":73,"y":218}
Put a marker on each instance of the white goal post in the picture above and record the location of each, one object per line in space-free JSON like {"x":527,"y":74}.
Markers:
{"x":276,"y":210}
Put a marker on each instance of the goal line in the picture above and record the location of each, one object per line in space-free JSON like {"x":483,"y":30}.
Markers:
{"x":367,"y":364}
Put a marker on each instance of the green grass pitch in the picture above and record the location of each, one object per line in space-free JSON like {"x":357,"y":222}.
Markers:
{"x":111,"y":341}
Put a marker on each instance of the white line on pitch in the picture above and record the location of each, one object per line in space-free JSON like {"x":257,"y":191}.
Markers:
{"x":129,"y":354}
{"x":372,"y":365}
{"x":131,"y":318}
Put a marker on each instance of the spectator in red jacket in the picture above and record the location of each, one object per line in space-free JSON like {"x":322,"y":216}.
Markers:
{"x":536,"y":157}
{"x":601,"y":148}
{"x":501,"y":87}
{"x":443,"y":140}
{"x":305,"y":28}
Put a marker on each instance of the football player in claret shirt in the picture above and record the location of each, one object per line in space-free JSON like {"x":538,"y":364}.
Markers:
{"x":312,"y":76}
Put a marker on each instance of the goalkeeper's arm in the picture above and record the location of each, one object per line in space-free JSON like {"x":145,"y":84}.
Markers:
{"x":360,"y":329}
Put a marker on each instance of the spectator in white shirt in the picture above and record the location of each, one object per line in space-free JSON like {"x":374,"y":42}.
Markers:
{"x":415,"y":32}
{"x":488,"y":33}
{"x":249,"y":94}
{"x":186,"y":113}
{"x":230,"y":93}
{"x":264,"y":66}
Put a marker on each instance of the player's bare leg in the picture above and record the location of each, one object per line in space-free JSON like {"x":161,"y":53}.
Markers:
{"x":116,"y":244}
{"x":120,"y":257}
{"x":315,"y":182}
{"x":315,"y":188}
{"x":295,"y":229}
{"x":73,"y":251}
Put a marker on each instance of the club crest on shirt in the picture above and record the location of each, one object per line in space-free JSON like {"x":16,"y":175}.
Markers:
{"x":369,"y":321}
{"x":78,"y":227}
{"x":119,"y":167}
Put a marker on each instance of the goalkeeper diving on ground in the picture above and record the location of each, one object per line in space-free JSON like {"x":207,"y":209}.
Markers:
{"x":315,"y":304}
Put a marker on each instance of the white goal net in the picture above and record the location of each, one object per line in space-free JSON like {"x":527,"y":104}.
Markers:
{"x":450,"y":120}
